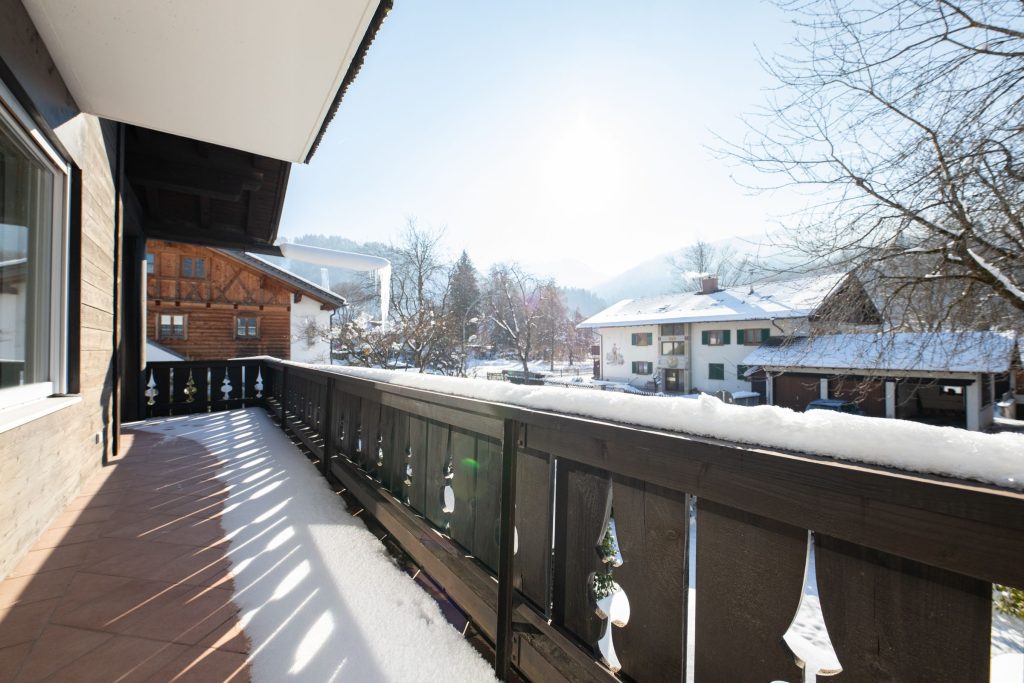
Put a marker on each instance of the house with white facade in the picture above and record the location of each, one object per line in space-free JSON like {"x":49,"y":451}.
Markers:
{"x":944,"y":378}
{"x":697,"y":341}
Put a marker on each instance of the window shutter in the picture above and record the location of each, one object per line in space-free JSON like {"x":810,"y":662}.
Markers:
{"x":726,"y":334}
{"x":739,"y":336}
{"x":765,"y":333}
{"x":705,"y":338}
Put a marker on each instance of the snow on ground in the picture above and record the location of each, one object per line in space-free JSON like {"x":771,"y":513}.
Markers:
{"x":991,"y":458}
{"x":320,"y":598}
{"x":478,"y":368}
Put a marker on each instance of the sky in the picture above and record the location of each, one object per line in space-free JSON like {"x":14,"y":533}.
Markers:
{"x":576,"y":138}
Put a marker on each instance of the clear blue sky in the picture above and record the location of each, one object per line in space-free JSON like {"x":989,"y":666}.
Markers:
{"x":545,"y":132}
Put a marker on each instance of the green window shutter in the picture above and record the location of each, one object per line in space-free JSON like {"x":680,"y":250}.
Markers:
{"x":705,"y":338}
{"x":726,"y":334}
{"x":739,"y":336}
{"x":765,"y":333}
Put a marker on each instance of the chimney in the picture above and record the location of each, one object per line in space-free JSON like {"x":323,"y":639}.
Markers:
{"x":325,"y":279}
{"x":709,"y":284}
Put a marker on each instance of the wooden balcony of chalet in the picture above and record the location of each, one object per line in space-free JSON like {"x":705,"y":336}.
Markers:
{"x":506,"y":508}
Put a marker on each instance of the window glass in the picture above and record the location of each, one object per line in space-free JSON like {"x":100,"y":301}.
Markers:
{"x":27,"y":192}
{"x":741,"y":370}
{"x":642,"y":367}
{"x":150,"y":263}
{"x":753,"y":336}
{"x":642,"y":338}
{"x":246,"y":327}
{"x":674,"y":329}
{"x":673,"y":348}
{"x":193,"y":267}
{"x":716,"y":371}
{"x":172,"y":326}
{"x":714,"y":337}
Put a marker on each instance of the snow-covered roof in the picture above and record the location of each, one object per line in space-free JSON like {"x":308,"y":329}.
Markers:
{"x":789,"y":299}
{"x":973,"y":352}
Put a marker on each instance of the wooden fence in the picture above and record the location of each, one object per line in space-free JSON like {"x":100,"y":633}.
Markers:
{"x":904,"y":562}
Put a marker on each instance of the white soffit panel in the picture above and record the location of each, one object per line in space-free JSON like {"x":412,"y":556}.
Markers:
{"x":255,"y":75}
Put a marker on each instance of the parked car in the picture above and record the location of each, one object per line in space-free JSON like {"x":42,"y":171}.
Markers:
{"x":834,"y":404}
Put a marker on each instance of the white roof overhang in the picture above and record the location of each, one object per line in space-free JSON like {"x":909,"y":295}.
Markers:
{"x":255,"y":75}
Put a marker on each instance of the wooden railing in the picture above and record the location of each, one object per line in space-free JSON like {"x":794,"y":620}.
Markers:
{"x":185,"y":387}
{"x":904,"y":562}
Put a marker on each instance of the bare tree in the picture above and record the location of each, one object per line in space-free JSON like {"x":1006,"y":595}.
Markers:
{"x":420,"y":291}
{"x":703,"y":258}
{"x":905,"y":120}
{"x":517,"y":306}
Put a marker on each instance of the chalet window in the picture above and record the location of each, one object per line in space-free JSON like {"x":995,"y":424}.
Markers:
{"x":173,"y":326}
{"x":673,"y":330}
{"x":193,"y":267}
{"x":741,"y":371}
{"x":716,"y":370}
{"x":33,"y":256}
{"x":715,"y":337}
{"x":753,"y":336}
{"x":642,"y":338}
{"x":247,"y":328}
{"x":150,"y":263}
{"x":642,"y":367}
{"x":673,"y":348}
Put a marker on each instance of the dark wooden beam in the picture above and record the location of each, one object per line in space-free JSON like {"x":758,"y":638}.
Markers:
{"x":205,"y":180}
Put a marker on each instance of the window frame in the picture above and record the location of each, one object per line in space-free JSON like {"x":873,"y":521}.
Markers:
{"x":666,"y":329}
{"x":248,"y":337}
{"x":761,"y":334}
{"x":635,"y":337}
{"x":673,"y":344}
{"x":643,"y":363}
{"x":716,"y":368}
{"x":740,"y":370}
{"x":17,"y":120}
{"x":193,"y":261}
{"x":724,"y":337}
{"x":173,"y":337}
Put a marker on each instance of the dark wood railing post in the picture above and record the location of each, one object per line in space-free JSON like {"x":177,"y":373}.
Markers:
{"x":506,"y":552}
{"x":283,"y":398}
{"x":328,"y":427}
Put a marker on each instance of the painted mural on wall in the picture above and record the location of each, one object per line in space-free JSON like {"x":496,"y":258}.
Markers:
{"x":614,"y":357}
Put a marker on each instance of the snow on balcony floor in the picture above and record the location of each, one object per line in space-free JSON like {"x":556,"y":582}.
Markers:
{"x":319,"y":596}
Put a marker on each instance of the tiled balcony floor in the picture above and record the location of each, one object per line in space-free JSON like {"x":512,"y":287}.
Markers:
{"x":131,"y":582}
{"x":206,"y":524}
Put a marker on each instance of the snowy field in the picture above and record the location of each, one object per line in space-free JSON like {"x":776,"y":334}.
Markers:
{"x":320,"y":597}
{"x":478,"y":369}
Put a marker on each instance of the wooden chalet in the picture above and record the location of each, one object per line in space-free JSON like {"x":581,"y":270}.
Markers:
{"x":204,"y":303}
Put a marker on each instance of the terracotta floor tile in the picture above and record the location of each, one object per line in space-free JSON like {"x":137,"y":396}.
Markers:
{"x":56,"y":648}
{"x":228,"y":636}
{"x":121,"y":608}
{"x":49,"y":559}
{"x":51,"y":538}
{"x":203,"y":665}
{"x":131,"y":557}
{"x":23,"y":623}
{"x":100,"y":499}
{"x":73,"y":517}
{"x":11,"y":659}
{"x":181,"y":618}
{"x":121,"y":659}
{"x":34,"y":587}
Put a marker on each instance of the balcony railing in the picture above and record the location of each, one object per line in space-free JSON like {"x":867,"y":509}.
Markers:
{"x":904,"y":562}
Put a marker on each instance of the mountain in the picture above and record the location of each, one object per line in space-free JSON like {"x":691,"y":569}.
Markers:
{"x":655,"y":276}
